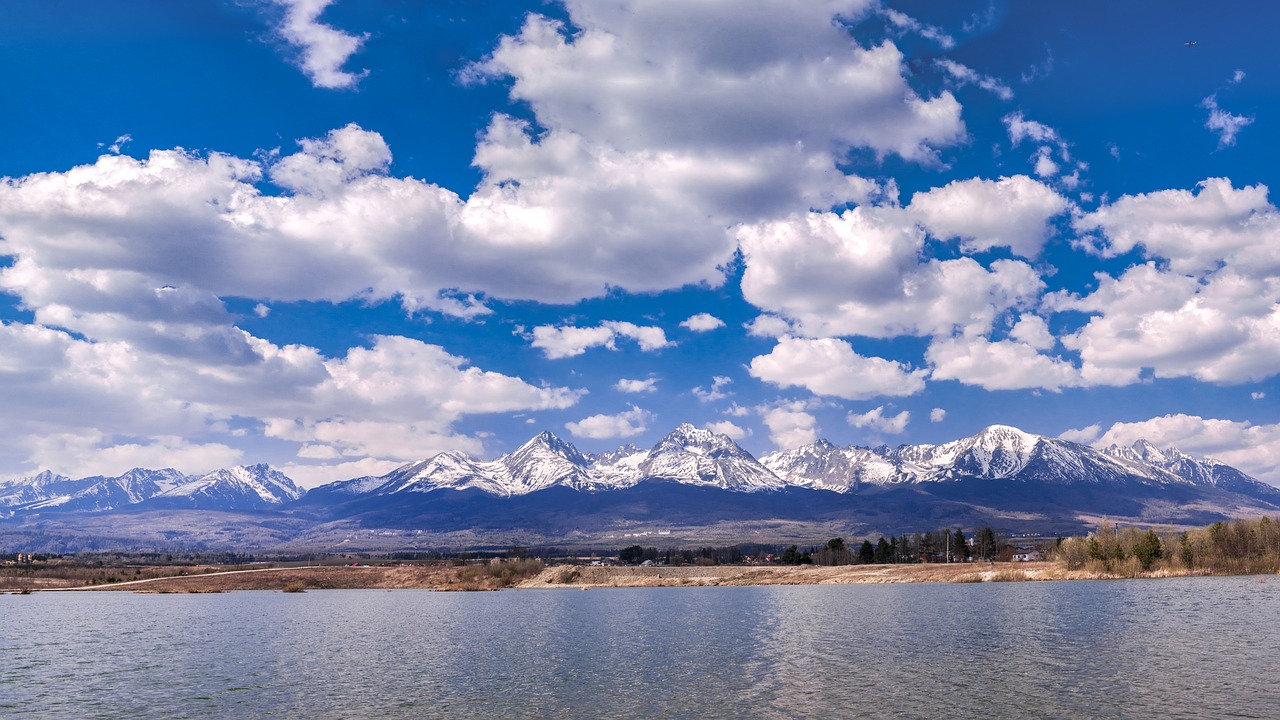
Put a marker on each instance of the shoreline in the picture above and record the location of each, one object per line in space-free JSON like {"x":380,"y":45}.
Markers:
{"x":584,"y":577}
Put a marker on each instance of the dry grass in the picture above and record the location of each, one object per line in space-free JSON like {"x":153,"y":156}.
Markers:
{"x":610,"y":576}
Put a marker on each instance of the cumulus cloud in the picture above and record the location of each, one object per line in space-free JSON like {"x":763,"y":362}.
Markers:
{"x":1012,"y":212}
{"x":768,"y":326}
{"x":1225,"y":124}
{"x":878,"y":421}
{"x":1084,"y":435}
{"x":702,"y":322}
{"x":1207,"y":304}
{"x":937,"y":415}
{"x":1225,"y":329}
{"x":323,"y":49}
{"x":790,"y":426}
{"x":1000,"y":365}
{"x":861,"y":273}
{"x":729,"y":429}
{"x":1255,"y":449}
{"x":636,"y":386}
{"x":1196,"y":231}
{"x":1257,"y":395}
{"x":830,"y":366}
{"x":94,"y":453}
{"x":570,"y":341}
{"x":716,"y":391}
{"x":73,"y":402}
{"x":622,"y":425}
{"x":706,"y":75}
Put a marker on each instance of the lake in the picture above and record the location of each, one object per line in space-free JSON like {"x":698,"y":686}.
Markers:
{"x":1179,"y":648}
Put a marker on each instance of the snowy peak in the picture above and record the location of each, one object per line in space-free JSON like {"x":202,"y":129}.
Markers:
{"x":1205,"y":472}
{"x":240,"y":487}
{"x":696,"y":456}
{"x":41,"y":487}
{"x":998,"y":451}
{"x":822,"y":465}
{"x":544,"y":461}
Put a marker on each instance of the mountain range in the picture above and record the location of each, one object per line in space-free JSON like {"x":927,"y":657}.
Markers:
{"x":694,"y":483}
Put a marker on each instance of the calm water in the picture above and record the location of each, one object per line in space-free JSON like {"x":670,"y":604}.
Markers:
{"x":1201,"y":647}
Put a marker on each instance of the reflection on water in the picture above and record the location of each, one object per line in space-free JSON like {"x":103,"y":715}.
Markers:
{"x":1195,"y":647}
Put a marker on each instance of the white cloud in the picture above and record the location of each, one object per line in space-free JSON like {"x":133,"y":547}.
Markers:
{"x":1225,"y":124}
{"x":570,"y":341}
{"x":1032,"y":330}
{"x":964,"y":75}
{"x":907,"y":23}
{"x":717,"y":392}
{"x":261,"y":310}
{"x":1224,"y":330}
{"x":600,"y":427}
{"x":860,"y":273}
{"x":1237,"y":77}
{"x":768,"y":326}
{"x":1257,"y":395}
{"x":310,"y":476}
{"x":702,"y":322}
{"x":878,"y":421}
{"x":1012,"y":212}
{"x":73,"y":402}
{"x":1001,"y":365}
{"x":1084,"y":436}
{"x":1045,"y":167}
{"x":1255,"y":449}
{"x":1195,"y":231}
{"x":93,"y":453}
{"x":706,"y":75}
{"x":729,"y":429}
{"x":789,"y":427}
{"x":1208,"y":303}
{"x":937,"y":415}
{"x":636,"y":386}
{"x":324,"y":49}
{"x":831,"y":367}
{"x":1020,"y":128}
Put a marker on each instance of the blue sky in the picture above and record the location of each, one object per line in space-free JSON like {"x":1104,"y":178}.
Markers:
{"x":337,"y":236}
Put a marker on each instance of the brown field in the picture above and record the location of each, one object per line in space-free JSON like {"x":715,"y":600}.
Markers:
{"x":208,"y":579}
{"x":531,"y":575}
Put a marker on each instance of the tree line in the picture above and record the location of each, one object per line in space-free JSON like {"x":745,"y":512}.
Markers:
{"x":944,"y":545}
{"x":1237,"y":547}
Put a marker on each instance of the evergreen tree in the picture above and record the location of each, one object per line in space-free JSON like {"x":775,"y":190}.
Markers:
{"x":1148,"y":550}
{"x":882,"y":553}
{"x":867,"y":553}
{"x":959,"y":548}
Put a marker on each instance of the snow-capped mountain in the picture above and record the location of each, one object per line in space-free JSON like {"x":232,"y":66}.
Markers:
{"x":1206,"y":472}
{"x":688,"y":455}
{"x":108,"y":493}
{"x":37,"y":488}
{"x":696,"y":456}
{"x":1000,"y":452}
{"x":824,"y":466}
{"x":48,"y":491}
{"x":244,"y":487}
{"x":699,"y":457}
{"x":693,"y":480}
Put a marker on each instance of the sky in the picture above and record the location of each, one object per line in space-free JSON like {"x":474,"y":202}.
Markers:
{"x":341,"y":235}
